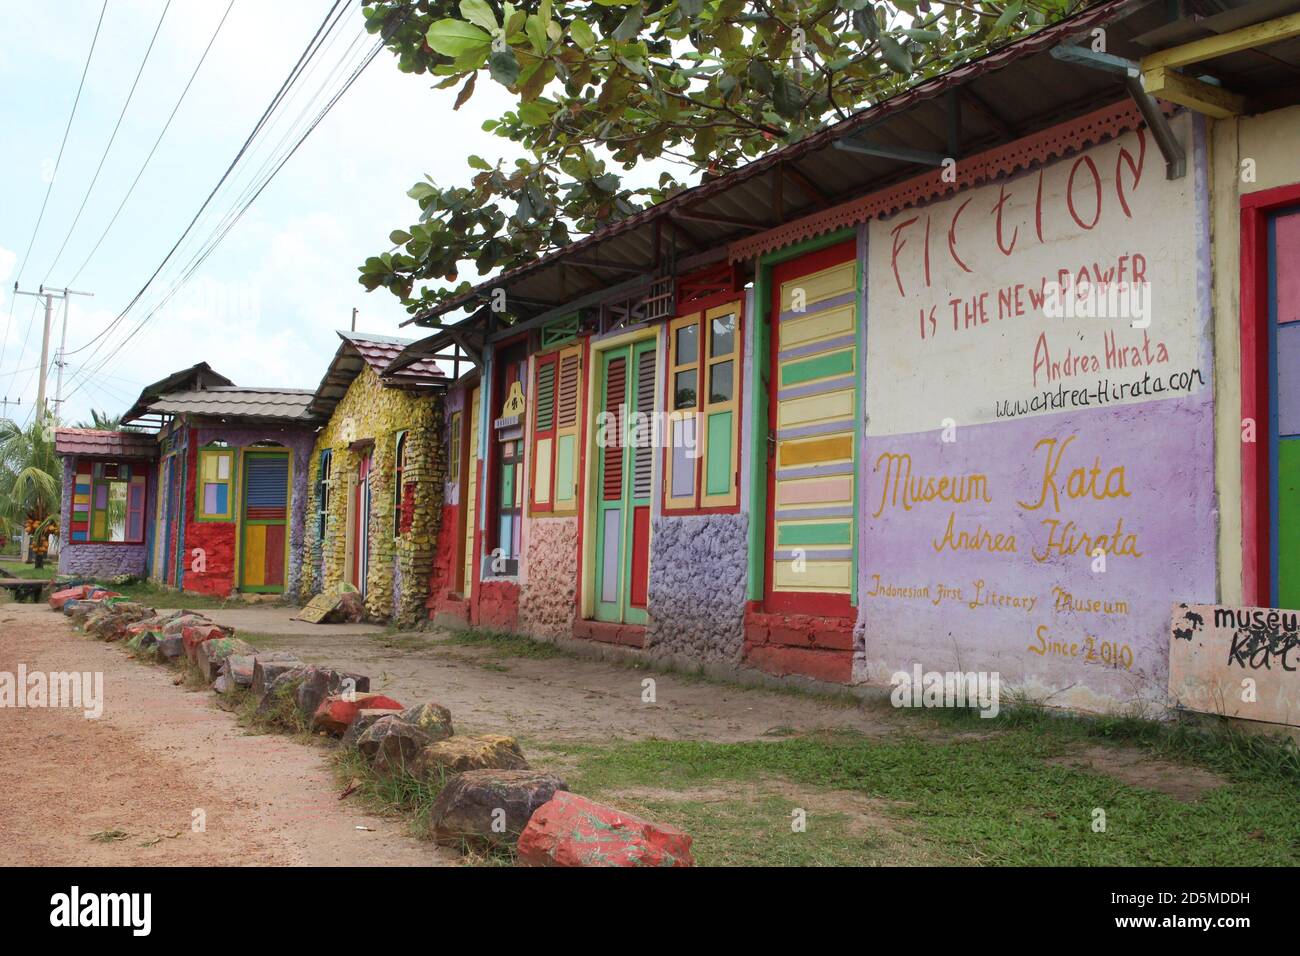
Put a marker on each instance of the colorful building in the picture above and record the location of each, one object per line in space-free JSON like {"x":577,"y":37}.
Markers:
{"x":958,"y":382}
{"x":109,"y":487}
{"x":375,"y":478}
{"x":232,"y":483}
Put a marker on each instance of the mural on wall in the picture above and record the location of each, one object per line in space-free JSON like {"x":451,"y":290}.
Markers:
{"x":1236,"y":661}
{"x":1037,"y":482}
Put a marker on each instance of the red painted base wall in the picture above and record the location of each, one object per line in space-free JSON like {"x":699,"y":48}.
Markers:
{"x":804,"y":644}
{"x":443,"y":596}
{"x":216,"y":538}
{"x":496,"y":606}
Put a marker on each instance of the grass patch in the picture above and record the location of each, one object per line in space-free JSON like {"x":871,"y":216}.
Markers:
{"x":17,"y":569}
{"x":147,"y":592}
{"x":280,"y":716}
{"x":388,"y":794}
{"x":992,"y":801}
{"x":501,"y":644}
{"x":404,"y":640}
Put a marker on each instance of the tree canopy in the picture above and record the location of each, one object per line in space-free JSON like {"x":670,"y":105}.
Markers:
{"x":601,"y":85}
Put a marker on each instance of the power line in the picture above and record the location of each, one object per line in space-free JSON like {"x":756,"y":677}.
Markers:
{"x":163,"y":133}
{"x":230,"y":221}
{"x":58,"y":159}
{"x":50,"y":186}
{"x":113,"y":136}
{"x":308,"y":51}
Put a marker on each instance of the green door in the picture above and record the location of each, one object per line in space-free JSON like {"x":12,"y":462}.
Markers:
{"x":624,"y":476}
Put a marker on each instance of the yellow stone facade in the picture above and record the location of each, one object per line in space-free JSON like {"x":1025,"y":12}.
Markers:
{"x":397,"y":579}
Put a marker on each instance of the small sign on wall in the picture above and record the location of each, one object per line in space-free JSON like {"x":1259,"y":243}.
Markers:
{"x":1236,"y":661}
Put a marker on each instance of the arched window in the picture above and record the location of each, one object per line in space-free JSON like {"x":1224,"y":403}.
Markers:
{"x":400,"y":521}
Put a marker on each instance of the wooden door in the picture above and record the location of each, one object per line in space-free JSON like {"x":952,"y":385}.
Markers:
{"x":264,"y":521}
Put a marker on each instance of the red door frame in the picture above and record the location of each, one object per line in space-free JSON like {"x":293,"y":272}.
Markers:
{"x":359,"y":539}
{"x":1256,"y":402}
{"x":799,"y":602}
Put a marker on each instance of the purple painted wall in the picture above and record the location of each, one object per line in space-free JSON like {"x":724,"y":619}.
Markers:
{"x":99,"y":560}
{"x":1021,"y":592}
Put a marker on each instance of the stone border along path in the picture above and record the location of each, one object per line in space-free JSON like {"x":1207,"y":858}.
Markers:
{"x":136,"y":775}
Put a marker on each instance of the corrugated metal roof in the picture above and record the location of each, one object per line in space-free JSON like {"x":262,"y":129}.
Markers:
{"x":104,"y":444}
{"x":1011,"y":92}
{"x":201,"y":375}
{"x":279,"y":404}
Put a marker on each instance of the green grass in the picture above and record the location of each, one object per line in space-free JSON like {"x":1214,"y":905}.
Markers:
{"x":147,"y":592}
{"x":16,"y":569}
{"x":993,"y":801}
{"x":501,"y":645}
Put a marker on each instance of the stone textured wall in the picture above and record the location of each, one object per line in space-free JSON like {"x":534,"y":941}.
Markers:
{"x":697,"y":586}
{"x":97,"y":560}
{"x":546,"y":604}
{"x":369,"y":411}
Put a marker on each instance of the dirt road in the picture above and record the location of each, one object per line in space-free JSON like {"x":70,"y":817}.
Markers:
{"x":124,"y":789}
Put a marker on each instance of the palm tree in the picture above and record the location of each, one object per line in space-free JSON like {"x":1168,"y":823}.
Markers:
{"x":103,"y":421}
{"x":31,"y":484}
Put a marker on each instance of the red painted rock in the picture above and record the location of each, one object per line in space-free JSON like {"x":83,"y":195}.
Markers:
{"x":60,"y":598}
{"x":176,"y":625}
{"x":570,"y":830}
{"x":320,"y":682}
{"x":337,"y":712}
{"x":193,"y":636}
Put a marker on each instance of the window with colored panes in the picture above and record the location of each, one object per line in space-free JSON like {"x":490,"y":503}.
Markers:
{"x":556,"y":422}
{"x":704,"y":409}
{"x":215,"y":498}
{"x":323,"y":491}
{"x":399,"y":476}
{"x":108,"y":502}
{"x":453,"y":449}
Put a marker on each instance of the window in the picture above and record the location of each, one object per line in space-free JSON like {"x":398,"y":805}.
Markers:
{"x":400,"y":521}
{"x":108,"y":502}
{"x":453,"y":449}
{"x":323,"y":491}
{"x":704,"y":412}
{"x":216,"y":471}
{"x":556,"y":421}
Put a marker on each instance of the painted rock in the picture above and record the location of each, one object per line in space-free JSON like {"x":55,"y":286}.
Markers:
{"x":390,"y":743}
{"x":574,"y":831}
{"x":194,"y":635}
{"x":362,"y":722}
{"x":237,"y":669}
{"x":459,"y":754}
{"x":336,"y":712}
{"x":210,"y":655}
{"x":483,"y":807}
{"x":267,"y":667}
{"x":320,"y":682}
{"x":170,"y":648}
{"x":60,"y":598}
{"x":433,"y":719}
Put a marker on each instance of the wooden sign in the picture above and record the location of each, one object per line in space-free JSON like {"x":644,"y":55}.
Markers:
{"x":1236,"y":661}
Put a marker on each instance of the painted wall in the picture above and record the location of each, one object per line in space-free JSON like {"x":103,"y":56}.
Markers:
{"x":697,"y":587}
{"x":1247,"y":154}
{"x":217,"y":574}
{"x":1002,"y":447}
{"x":101,"y":560}
{"x":399,"y":565}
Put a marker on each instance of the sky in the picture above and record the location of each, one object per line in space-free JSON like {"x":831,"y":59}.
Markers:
{"x":262,"y":309}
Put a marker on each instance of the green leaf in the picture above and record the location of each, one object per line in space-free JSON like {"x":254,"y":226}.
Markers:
{"x":478,"y":162}
{"x":896,"y":56}
{"x":399,"y":237}
{"x":456,"y":37}
{"x":760,"y":76}
{"x":534,"y":114}
{"x":1009,"y":14}
{"x":504,"y":67}
{"x":479,"y":12}
{"x":630,"y":26}
{"x":786,"y":98}
{"x":582,"y":34}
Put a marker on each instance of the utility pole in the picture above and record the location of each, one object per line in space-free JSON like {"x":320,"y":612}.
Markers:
{"x":43,"y":371}
{"x":354,"y":319}
{"x":61,"y":362}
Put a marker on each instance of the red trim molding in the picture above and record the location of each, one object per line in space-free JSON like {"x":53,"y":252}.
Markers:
{"x":1025,"y":153}
{"x":1256,"y":531}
